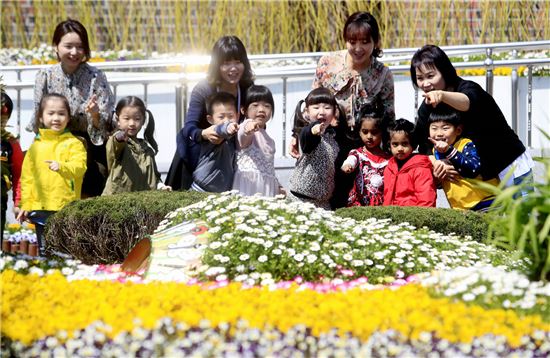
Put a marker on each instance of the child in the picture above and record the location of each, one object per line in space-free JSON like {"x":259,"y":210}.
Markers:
{"x":371,"y":159}
{"x":408,"y":177}
{"x":54,"y":165}
{"x":313,"y":177}
{"x":12,"y":161}
{"x":131,"y":160}
{"x":255,"y":170}
{"x":215,"y":169}
{"x":445,"y":134}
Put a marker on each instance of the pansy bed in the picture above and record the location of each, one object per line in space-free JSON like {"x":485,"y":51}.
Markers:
{"x":283,"y":279}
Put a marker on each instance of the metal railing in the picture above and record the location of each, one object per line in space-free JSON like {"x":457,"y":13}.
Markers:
{"x":182,"y":78}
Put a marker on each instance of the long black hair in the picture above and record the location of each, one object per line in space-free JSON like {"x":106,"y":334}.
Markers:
{"x":148,"y":133}
{"x":229,"y":48}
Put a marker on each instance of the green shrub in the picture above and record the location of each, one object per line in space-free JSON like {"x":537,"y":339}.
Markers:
{"x":445,"y":221}
{"x":522,"y":223}
{"x":105,"y":229}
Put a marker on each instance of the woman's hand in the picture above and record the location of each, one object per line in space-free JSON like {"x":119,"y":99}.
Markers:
{"x":210,"y":135}
{"x":433,"y":97}
{"x":293,"y":148}
{"x":93,"y":108}
{"x":445,"y":171}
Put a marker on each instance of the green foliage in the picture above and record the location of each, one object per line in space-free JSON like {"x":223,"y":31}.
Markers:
{"x":522,"y":223}
{"x":105,"y":229}
{"x":445,"y":221}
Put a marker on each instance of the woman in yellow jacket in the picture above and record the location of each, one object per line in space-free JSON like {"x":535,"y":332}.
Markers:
{"x":54,"y":165}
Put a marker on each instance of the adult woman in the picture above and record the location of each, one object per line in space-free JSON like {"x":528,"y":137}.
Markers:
{"x":229,"y":71}
{"x":356,"y":78}
{"x":499,"y":148}
{"x":89,"y":95}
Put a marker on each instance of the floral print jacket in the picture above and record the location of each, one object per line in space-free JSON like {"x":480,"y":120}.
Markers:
{"x":78,"y":88}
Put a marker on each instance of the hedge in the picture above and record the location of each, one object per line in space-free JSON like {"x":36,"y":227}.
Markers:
{"x":442,"y":220}
{"x":104,"y":229}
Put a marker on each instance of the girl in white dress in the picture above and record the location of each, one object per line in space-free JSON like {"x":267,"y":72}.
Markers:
{"x":255,"y":169}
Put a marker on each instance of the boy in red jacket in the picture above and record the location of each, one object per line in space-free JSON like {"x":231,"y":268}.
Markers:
{"x":408,"y":179}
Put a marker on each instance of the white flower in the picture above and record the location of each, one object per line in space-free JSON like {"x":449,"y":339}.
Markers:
{"x":311,"y":258}
{"x":215,"y":245}
{"x":244,"y":257}
{"x":262,"y":258}
{"x":277,"y":252}
{"x":347,"y":257}
{"x":298,"y":257}
{"x":20,"y":264}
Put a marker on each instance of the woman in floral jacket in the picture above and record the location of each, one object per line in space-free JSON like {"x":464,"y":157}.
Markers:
{"x":356,"y":78}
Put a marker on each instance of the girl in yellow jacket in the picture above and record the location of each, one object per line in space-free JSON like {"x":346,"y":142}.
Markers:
{"x":54,"y":165}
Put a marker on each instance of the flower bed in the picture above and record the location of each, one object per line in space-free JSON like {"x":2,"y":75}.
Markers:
{"x":247,"y":298}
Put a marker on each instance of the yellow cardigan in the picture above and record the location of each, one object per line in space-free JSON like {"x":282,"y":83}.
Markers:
{"x":45,"y":189}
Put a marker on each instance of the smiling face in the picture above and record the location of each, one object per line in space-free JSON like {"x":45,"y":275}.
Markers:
{"x":322,"y":112}
{"x":130,"y":120}
{"x":231,"y":72}
{"x":259,"y":111}
{"x":360,"y":48}
{"x":429,"y":79}
{"x":55,"y":115}
{"x":400,"y":145}
{"x":70,"y":52}
{"x":445,"y":131}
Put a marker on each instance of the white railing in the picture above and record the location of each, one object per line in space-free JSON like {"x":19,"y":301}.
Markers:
{"x":183,"y":78}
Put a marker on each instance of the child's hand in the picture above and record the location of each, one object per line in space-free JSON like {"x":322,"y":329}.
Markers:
{"x":347,"y":168}
{"x":433,"y":97}
{"x":320,"y":128}
{"x":53,"y":165}
{"x":252,"y":126}
{"x":121,"y":136}
{"x":440,"y":145}
{"x":232,"y":128}
{"x":22,"y":216}
{"x":445,"y":171}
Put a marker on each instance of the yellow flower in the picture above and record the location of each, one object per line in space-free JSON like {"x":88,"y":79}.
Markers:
{"x":34,"y":307}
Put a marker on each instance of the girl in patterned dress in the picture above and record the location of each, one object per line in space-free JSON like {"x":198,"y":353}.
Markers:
{"x":370,"y":161}
{"x":312,"y":180}
{"x":255,"y":172}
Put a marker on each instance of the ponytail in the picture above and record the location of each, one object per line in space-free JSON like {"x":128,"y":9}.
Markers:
{"x":149,"y":132}
{"x":299,"y":120}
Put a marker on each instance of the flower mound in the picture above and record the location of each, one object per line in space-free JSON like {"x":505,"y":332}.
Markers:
{"x":258,"y":240}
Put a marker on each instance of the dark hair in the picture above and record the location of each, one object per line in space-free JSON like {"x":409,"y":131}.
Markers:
{"x":219,"y":98}
{"x":403,"y":125}
{"x":363,"y":20}
{"x":68,"y":26}
{"x":148,"y":133}
{"x":42,"y":104}
{"x":444,"y":113}
{"x":432,"y":56}
{"x":374,"y":113}
{"x":316,"y":96}
{"x":256,"y":93}
{"x":7,"y":103}
{"x":229,"y":48}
